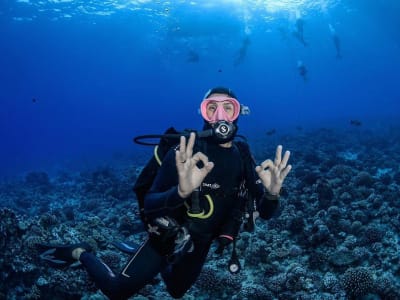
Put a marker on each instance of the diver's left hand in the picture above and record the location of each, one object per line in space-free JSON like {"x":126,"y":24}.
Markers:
{"x":273,"y":173}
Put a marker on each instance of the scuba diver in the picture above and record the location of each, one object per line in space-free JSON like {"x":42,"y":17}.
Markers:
{"x":241,"y":55}
{"x":201,"y":190}
{"x":298,"y":33}
{"x":301,"y":67}
{"x":336,"y":41}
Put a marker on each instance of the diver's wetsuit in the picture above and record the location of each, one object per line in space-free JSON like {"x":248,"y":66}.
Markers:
{"x":222,"y":184}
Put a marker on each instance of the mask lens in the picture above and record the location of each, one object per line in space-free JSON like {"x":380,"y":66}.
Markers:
{"x":220,"y":109}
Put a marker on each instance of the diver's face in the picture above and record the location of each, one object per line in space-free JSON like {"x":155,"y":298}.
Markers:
{"x":220,"y":107}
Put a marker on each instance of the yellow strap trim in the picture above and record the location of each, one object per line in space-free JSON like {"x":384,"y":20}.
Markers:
{"x":199,"y":215}
{"x":202,"y":215}
{"x":156,"y":155}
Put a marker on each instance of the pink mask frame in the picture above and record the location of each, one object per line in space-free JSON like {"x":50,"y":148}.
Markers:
{"x":220,"y":114}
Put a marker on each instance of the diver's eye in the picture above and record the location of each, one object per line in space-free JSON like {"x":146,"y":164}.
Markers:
{"x":228,"y":107}
{"x":212,"y":107}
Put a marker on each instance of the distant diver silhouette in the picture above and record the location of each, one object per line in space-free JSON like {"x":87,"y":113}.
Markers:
{"x":302,"y":69}
{"x":299,"y":30}
{"x":336,"y":41}
{"x":242,"y":51}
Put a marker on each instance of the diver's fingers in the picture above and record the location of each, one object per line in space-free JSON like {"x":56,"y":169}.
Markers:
{"x":182,"y":144}
{"x":267,"y":164}
{"x":278,"y":155}
{"x":190,"y":144}
{"x":180,"y":154}
{"x":179,"y":161}
{"x":285,"y":160}
{"x":200,"y":156}
{"x":208,"y":165}
{"x":285,"y":171}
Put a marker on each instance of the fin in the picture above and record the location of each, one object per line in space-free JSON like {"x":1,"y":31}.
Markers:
{"x":126,"y":247}
{"x":61,"y":255}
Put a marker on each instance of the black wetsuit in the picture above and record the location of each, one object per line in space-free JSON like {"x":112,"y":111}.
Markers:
{"x":222,"y":185}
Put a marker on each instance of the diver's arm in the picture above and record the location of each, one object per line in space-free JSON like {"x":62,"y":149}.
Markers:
{"x":267,"y":205}
{"x":272,"y":174}
{"x":189,"y":173}
{"x":163,"y":196}
{"x":177,"y":178}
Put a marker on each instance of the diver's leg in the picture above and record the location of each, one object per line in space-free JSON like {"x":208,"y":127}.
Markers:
{"x":140,"y":269}
{"x":180,"y":276}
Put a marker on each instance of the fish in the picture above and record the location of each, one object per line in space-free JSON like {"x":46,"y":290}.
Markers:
{"x":271,"y":131}
{"x":355,"y":122}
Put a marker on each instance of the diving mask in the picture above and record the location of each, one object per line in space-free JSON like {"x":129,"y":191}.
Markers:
{"x":220,"y":108}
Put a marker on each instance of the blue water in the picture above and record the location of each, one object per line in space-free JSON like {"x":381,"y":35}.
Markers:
{"x":102,"y":73}
{"x":80,"y":79}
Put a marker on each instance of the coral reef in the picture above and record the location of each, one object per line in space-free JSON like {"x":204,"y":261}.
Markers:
{"x":358,"y":282}
{"x":335,"y":235}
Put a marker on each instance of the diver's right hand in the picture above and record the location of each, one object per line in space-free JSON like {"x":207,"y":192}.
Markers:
{"x":190,"y":175}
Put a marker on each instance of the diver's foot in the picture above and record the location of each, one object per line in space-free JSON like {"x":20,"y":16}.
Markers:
{"x":64,"y":255}
{"x":76,"y":253}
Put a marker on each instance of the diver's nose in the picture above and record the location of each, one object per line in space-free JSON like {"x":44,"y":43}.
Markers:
{"x":220,"y":114}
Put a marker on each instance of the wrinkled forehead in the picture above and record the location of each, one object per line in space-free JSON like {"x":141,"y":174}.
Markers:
{"x":220,"y":100}
{"x":218,"y":95}
{"x":223,"y":102}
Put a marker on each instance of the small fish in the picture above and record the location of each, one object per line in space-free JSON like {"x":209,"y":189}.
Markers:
{"x":355,"y":122}
{"x":271,"y":132}
{"x":34,"y":100}
{"x":193,"y":57}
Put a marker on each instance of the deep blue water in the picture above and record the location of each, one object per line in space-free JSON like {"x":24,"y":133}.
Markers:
{"x":79,"y":79}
